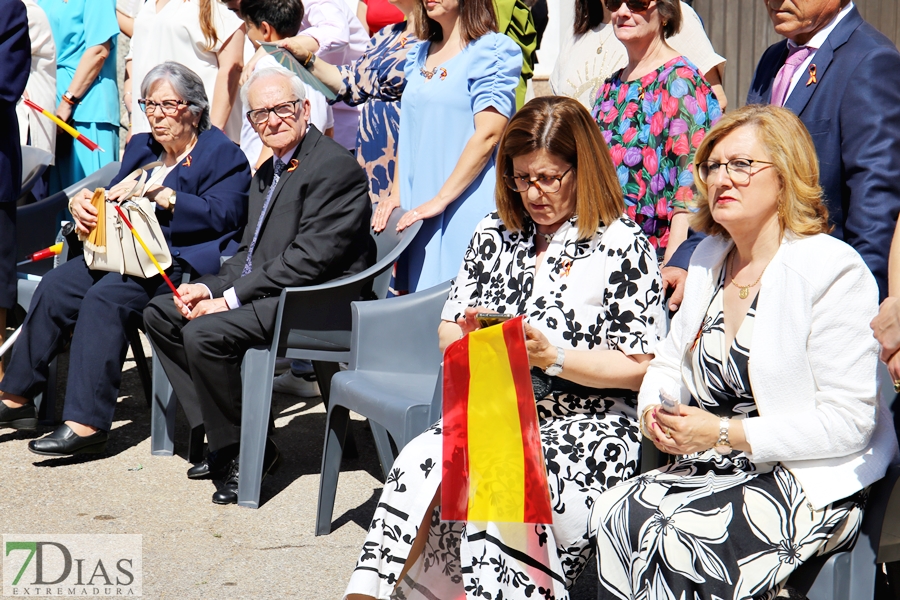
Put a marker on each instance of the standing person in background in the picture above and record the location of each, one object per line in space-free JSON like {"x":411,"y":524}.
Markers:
{"x":204,"y":36}
{"x":460,"y":92}
{"x":375,"y":15}
{"x":87,"y":96}
{"x":35,"y":129}
{"x":15,"y":48}
{"x":592,"y":53}
{"x":653,"y":113}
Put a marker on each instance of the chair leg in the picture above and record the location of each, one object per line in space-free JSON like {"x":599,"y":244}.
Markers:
{"x":162,"y":413}
{"x":140,"y":359}
{"x":256,"y":375}
{"x":324,"y":372}
{"x":383,"y":446}
{"x":335,"y":435}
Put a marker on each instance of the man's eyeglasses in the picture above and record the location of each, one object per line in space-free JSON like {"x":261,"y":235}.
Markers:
{"x":282,"y":111}
{"x":633,"y":5}
{"x":169,"y":107}
{"x":739,"y":169}
{"x":545,"y":184}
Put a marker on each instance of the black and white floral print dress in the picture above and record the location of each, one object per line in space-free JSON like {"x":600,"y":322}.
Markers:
{"x":713,"y":527}
{"x":601,"y":293}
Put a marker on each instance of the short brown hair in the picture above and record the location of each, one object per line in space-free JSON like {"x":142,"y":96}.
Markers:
{"x":793,"y":154}
{"x":564,"y":128}
{"x":670,"y":13}
{"x":476,"y":18}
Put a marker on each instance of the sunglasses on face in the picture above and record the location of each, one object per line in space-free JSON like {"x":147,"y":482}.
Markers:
{"x":633,"y":5}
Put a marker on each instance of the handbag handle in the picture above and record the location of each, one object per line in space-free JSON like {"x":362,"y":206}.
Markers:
{"x":141,"y":184}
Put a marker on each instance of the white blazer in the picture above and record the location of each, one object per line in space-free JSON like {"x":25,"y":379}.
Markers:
{"x":812,"y":364}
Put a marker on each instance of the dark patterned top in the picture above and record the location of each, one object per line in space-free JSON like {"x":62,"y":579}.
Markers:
{"x":376,"y":81}
{"x":653,"y":125}
{"x":722,"y":375}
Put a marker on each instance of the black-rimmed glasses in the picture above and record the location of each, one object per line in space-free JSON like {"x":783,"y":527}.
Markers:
{"x":738,"y":169}
{"x":282,"y":111}
{"x":545,"y":184}
{"x":633,"y":5}
{"x":169,"y":107}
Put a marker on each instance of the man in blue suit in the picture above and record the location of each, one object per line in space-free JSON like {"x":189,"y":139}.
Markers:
{"x":841,"y":76}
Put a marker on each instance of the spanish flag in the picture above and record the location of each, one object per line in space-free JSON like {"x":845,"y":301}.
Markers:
{"x":493,"y":465}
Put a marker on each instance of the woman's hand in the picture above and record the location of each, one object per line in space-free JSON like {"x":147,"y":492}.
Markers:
{"x":886,"y":328}
{"x":432,"y":208}
{"x":161,"y":195}
{"x":383,"y":212}
{"x":301,"y":46}
{"x":64,"y":111}
{"x":468,"y":323}
{"x":121,"y":189}
{"x":693,"y":430}
{"x":541,"y":353}
{"x":84,"y":212}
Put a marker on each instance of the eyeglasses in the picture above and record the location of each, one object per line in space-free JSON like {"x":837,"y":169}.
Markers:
{"x":169,"y":107}
{"x":739,"y":169}
{"x":633,"y":5}
{"x":545,"y":184}
{"x":282,"y":111}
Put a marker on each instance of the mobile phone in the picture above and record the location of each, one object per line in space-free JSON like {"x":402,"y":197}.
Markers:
{"x":668,"y":402}
{"x":489,"y":319}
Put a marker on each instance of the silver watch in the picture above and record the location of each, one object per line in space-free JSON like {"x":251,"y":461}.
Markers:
{"x":557,"y":367}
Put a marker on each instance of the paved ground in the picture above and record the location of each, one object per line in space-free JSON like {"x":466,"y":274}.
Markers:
{"x":191,"y":547}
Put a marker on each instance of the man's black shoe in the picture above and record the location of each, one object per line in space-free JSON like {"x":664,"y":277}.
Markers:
{"x":65,"y":442}
{"x":229,"y":492}
{"x":215,"y":465}
{"x":23,"y":417}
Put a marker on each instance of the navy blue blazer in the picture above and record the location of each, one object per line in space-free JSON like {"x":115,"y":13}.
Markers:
{"x":15,"y":49}
{"x":211,"y":187}
{"x":852,"y":113}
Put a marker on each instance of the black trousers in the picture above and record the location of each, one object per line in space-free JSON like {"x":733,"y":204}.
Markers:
{"x":8,"y":280}
{"x":202,"y":359}
{"x":99,"y":306}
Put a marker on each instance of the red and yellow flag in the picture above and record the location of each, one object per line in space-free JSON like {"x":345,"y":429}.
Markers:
{"x":493,"y":465}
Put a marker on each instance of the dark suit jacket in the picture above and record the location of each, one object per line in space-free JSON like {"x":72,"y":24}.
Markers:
{"x":316,"y":227}
{"x":15,"y":50}
{"x":211,"y":187}
{"x":853,"y":115}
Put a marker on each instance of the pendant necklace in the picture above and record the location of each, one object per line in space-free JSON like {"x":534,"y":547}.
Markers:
{"x":548,"y":237}
{"x":745,"y":289}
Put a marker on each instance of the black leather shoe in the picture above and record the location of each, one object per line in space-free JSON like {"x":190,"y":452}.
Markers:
{"x":215,"y":465}
{"x":65,"y":442}
{"x":24,"y":417}
{"x":229,"y":492}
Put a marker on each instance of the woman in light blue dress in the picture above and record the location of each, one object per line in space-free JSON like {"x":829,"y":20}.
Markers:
{"x":460,"y":93}
{"x":85,"y":32}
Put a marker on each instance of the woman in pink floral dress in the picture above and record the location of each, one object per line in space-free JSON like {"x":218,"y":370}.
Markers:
{"x":653,"y":114}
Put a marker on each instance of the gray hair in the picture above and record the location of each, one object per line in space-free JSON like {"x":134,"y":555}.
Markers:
{"x":186,"y":84}
{"x":297,"y":86}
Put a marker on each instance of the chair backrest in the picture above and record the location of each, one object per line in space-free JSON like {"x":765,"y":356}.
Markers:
{"x":37,"y":224}
{"x":34,"y":162}
{"x":386,"y":241}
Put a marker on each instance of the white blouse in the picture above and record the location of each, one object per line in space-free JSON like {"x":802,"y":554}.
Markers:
{"x":41,"y":87}
{"x":174,"y":34}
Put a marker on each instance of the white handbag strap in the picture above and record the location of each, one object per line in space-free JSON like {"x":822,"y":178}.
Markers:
{"x":141,"y":184}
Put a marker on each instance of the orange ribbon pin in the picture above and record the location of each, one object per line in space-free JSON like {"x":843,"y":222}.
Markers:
{"x":812,"y":76}
{"x":187,"y":161}
{"x":294,"y":163}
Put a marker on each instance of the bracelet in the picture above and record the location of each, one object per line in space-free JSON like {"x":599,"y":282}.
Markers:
{"x":641,"y":421}
{"x":723,"y":444}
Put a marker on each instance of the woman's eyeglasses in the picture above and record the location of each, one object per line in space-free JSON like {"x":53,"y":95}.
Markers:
{"x":169,"y":107}
{"x":739,"y":169}
{"x":633,"y":5}
{"x":545,"y":184}
{"x":282,"y":111}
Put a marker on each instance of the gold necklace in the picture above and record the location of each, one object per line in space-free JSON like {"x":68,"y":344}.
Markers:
{"x":745,"y":289}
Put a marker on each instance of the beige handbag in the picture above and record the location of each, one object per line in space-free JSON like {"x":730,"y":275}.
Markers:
{"x":112,"y":247}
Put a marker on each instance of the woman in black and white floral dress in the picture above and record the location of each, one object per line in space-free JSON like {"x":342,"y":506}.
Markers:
{"x":771,"y":349}
{"x":559,"y":252}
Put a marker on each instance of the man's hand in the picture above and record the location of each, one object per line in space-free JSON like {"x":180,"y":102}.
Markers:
{"x":191,"y":294}
{"x":84,"y":212}
{"x":674,"y":278}
{"x":208,"y":307}
{"x":886,"y":327}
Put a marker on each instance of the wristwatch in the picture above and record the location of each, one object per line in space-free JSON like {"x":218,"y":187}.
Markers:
{"x":71,"y":98}
{"x":557,"y":367}
{"x":723,"y":444}
{"x":310,"y":62}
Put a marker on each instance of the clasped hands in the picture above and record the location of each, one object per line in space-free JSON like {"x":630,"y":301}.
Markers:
{"x":196,"y":301}
{"x":85,"y":213}
{"x":541,"y":353}
{"x":692,"y":430}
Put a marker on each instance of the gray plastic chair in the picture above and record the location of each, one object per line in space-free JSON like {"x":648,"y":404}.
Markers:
{"x":393,"y":388}
{"x":34,"y":163}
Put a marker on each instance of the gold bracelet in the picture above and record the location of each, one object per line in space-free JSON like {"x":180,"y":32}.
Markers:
{"x":641,"y":421}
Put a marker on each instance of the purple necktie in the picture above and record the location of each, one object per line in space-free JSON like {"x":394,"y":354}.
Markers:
{"x":279,"y":169}
{"x":796,"y":57}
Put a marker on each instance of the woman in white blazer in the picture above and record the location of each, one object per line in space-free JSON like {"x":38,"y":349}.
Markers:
{"x":778,"y":429}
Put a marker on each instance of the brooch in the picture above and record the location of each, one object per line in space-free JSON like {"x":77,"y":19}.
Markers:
{"x":187,"y":161}
{"x":429,"y":74}
{"x":566,"y":267}
{"x":812,"y":76}
{"x":403,"y":42}
{"x":294,"y":163}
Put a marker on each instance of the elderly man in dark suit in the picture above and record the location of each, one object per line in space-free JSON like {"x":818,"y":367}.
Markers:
{"x":841,"y":76}
{"x":15,"y":48}
{"x":309,"y":223}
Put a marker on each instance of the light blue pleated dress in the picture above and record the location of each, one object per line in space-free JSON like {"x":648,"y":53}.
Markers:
{"x":436,"y":122}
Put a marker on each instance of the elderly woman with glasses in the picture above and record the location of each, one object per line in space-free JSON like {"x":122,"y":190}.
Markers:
{"x":201,"y":205}
{"x":764,"y":390}
{"x":653,"y":113}
{"x":558,"y":251}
